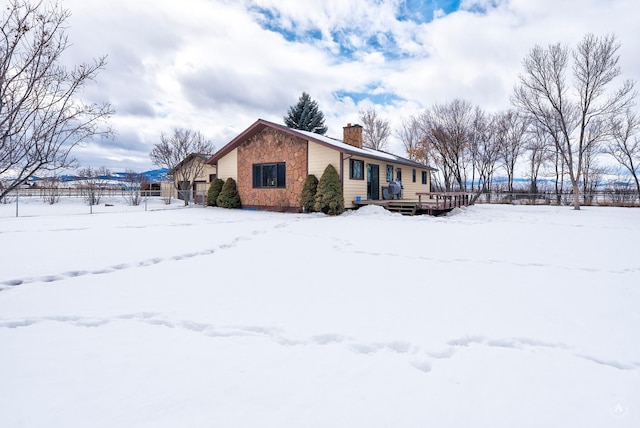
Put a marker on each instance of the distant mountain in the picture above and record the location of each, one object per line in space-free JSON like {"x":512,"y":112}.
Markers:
{"x":153,"y":176}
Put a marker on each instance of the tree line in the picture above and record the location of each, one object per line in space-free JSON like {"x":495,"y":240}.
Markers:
{"x":565,"y":113}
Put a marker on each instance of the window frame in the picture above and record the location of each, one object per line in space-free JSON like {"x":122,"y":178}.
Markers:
{"x":424,"y":177}
{"x":352,"y":170}
{"x":276,"y":172}
{"x":389,"y":173}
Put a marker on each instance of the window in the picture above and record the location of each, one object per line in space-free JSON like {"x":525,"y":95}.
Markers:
{"x":356,"y":169}
{"x":424,"y":177}
{"x":398,"y":174}
{"x":413,"y":176}
{"x":269,"y":175}
{"x":389,"y":172}
{"x":212,"y":177}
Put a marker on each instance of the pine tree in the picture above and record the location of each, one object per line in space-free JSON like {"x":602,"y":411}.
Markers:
{"x":306,"y":116}
{"x":330,"y":197}
{"x":229,"y":197}
{"x":308,"y":199}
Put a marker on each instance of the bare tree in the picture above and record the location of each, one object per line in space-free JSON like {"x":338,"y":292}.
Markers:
{"x":409,"y":135}
{"x":376,"y":131}
{"x":511,"y":134}
{"x":625,"y":145}
{"x":132,"y":188}
{"x":184,"y":154}
{"x":577,"y":119}
{"x":41,"y":118}
{"x":93,"y":183}
{"x":540,"y":151}
{"x":484,"y":150}
{"x":50,"y":189}
{"x":445,"y":132}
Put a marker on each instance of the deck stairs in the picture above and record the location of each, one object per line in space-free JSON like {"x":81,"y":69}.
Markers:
{"x":404,"y":208}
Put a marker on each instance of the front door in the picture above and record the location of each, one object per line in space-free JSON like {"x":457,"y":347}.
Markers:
{"x":373,"y":182}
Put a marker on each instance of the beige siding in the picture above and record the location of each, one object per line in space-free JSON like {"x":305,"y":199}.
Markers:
{"x":409,"y":188}
{"x":228,"y":166}
{"x":354,"y":187}
{"x":320,"y":157}
{"x":206,"y":173}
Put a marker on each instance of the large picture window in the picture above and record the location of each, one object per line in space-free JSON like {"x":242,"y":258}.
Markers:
{"x":356,"y":169}
{"x":389,"y":172}
{"x":269,"y":175}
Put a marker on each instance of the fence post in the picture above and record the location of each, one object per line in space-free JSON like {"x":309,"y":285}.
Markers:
{"x":17,"y":198}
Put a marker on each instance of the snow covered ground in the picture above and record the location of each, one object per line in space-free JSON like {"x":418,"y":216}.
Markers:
{"x":498,"y":316}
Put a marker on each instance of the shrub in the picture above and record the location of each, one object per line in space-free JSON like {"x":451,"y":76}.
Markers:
{"x":308,"y":200}
{"x":329,"y":196}
{"x":229,"y":197}
{"x":214,"y":191}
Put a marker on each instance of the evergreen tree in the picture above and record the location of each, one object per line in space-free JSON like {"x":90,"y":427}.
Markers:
{"x":306,"y":116}
{"x":214,"y":191}
{"x":308,"y":199}
{"x":329,"y":197}
{"x":229,"y":197}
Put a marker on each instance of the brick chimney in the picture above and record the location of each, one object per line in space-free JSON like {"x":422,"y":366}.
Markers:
{"x":353,"y":135}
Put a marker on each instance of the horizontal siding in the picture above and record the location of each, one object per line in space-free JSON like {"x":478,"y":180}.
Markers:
{"x":205,"y":173}
{"x":353,"y":188}
{"x":409,"y":188}
{"x":228,"y":166}
{"x":320,"y":157}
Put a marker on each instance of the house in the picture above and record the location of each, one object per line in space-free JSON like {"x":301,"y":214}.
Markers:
{"x":192,"y":177}
{"x":270,"y":163}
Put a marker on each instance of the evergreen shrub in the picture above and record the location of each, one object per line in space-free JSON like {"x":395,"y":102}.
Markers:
{"x":308,"y":199}
{"x":229,"y":197}
{"x":329,"y":196}
{"x":214,"y":190}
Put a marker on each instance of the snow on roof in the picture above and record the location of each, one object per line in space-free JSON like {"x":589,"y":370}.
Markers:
{"x":365,"y":151}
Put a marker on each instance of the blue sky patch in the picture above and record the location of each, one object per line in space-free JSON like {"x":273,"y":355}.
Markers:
{"x":383,"y":98}
{"x":421,"y":11}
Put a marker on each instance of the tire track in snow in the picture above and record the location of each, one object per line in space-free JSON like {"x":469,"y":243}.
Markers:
{"x":421,"y":359}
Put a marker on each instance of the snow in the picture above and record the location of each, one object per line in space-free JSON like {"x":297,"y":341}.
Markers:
{"x":496,"y":316}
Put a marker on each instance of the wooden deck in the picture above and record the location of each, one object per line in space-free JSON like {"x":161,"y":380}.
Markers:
{"x":431,"y":203}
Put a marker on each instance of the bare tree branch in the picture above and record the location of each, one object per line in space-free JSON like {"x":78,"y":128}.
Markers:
{"x":574,"y":115}
{"x":376,"y":131}
{"x":184,"y":154}
{"x":41,"y":119}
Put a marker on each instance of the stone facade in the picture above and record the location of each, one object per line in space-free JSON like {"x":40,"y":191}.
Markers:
{"x":273,"y":146}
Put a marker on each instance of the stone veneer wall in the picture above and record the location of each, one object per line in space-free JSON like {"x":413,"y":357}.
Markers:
{"x":271,"y":146}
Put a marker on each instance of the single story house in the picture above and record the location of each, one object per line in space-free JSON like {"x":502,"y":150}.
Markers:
{"x":192,"y":177}
{"x":270,"y":163}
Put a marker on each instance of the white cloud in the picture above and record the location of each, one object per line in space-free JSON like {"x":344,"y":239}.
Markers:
{"x":219,"y":65}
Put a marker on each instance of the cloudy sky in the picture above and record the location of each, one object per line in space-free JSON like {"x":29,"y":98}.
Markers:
{"x":218,"y":65}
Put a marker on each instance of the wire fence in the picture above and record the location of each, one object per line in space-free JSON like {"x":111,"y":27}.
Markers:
{"x":69,"y":200}
{"x":610,"y":198}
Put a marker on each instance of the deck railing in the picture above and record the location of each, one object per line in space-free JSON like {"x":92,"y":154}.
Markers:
{"x":443,"y":200}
